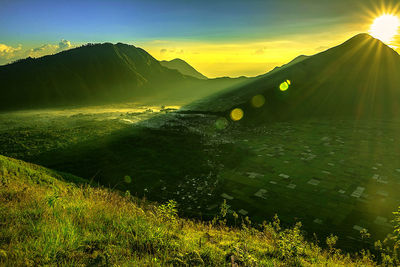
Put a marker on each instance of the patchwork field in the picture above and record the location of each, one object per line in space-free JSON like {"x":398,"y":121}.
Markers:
{"x":335,"y":177}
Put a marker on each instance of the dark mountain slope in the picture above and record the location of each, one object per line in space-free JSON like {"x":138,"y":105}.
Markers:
{"x":359,"y":78}
{"x":82,"y":75}
{"x":95,"y":74}
{"x":284,"y":66}
{"x":183,"y":67}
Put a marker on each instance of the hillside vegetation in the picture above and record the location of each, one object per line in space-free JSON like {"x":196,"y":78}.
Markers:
{"x":48,"y":220}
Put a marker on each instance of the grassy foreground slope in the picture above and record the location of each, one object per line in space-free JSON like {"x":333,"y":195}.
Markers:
{"x":46,"y":220}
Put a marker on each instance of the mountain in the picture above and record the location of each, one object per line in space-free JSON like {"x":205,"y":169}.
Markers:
{"x":359,"y":78}
{"x":93,"y":74}
{"x":183,"y":67}
{"x":284,"y":66}
{"x":82,"y":75}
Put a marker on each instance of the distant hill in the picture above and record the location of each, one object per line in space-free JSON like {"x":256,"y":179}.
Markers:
{"x":183,"y":67}
{"x":359,"y":78}
{"x":95,"y":74}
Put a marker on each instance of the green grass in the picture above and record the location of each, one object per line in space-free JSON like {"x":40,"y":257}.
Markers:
{"x":47,"y":220}
{"x":195,"y":167}
{"x":27,"y":134}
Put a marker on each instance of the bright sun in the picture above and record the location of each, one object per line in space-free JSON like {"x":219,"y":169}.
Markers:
{"x":385,"y":28}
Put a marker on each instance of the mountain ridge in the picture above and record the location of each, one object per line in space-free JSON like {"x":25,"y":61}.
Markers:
{"x":183,"y":67}
{"x":92,"y":71}
{"x":344,"y":80}
{"x":96,"y":74}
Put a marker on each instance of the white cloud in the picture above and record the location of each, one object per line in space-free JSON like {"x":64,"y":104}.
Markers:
{"x":171,"y":51}
{"x":41,"y":50}
{"x":260,"y":51}
{"x":9,"y":54}
{"x":64,"y":44}
{"x":45,"y":47}
{"x":5,"y":49}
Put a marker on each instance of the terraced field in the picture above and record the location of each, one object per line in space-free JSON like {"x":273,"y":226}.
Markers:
{"x":334,"y":176}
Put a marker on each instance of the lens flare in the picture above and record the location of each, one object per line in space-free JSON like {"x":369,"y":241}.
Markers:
{"x":236,"y":114}
{"x":127,"y":179}
{"x":258,"y":101}
{"x":285,"y":85}
{"x":221,"y":123}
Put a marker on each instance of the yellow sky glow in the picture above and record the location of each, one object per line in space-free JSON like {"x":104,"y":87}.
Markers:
{"x":247,"y":58}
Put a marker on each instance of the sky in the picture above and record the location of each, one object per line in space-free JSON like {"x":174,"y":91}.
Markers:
{"x":218,"y":38}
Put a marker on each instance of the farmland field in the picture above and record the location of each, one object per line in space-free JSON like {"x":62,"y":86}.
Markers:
{"x":334,"y":176}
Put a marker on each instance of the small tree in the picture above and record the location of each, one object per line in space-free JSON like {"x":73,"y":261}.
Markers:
{"x":168,"y":211}
{"x":224,"y":209}
{"x":396,"y":230}
{"x":364,"y":234}
{"x":331,"y":242}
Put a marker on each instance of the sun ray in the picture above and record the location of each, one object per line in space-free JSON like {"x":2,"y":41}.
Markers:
{"x":385,"y":28}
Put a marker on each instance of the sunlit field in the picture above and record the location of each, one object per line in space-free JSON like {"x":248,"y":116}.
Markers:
{"x":30,"y":132}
